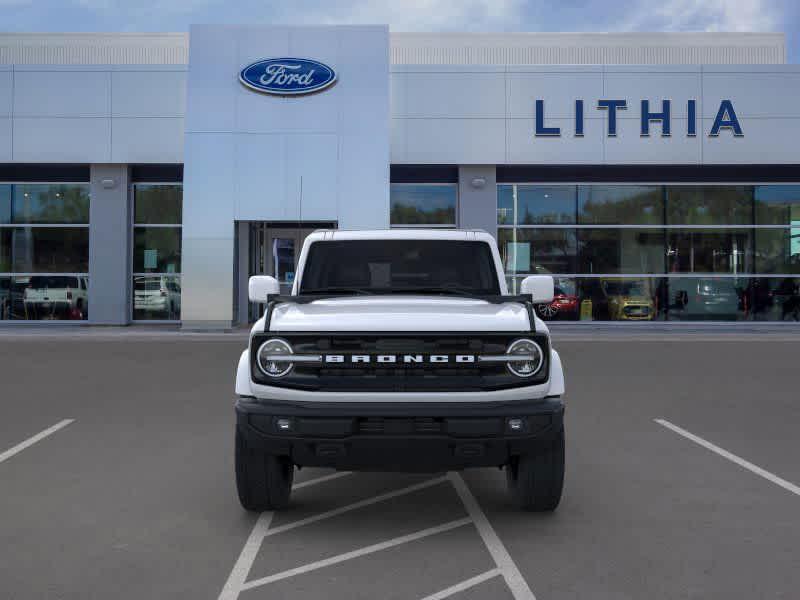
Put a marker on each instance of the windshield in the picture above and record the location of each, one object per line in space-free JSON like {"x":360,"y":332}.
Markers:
{"x":400,"y":266}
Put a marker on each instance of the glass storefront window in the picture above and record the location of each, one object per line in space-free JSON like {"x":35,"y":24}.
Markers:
{"x":44,"y":204}
{"x":778,"y":250}
{"x":708,"y":299}
{"x":774,"y":299}
{"x":710,"y":251}
{"x":423,"y":204}
{"x":44,"y":251}
{"x":535,"y":251}
{"x":611,"y":251}
{"x":158,"y":204}
{"x":536,"y":204}
{"x":777,"y":205}
{"x":709,"y":205}
{"x":157,"y":214}
{"x":620,"y":204}
{"x":156,"y":297}
{"x":725,"y":252}
{"x":157,"y":250}
{"x":5,"y":203}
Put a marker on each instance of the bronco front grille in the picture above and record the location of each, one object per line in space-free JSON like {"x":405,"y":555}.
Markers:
{"x":461,"y":371}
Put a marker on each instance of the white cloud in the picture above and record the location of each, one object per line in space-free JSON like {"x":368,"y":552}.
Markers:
{"x":416,"y":15}
{"x":705,"y":15}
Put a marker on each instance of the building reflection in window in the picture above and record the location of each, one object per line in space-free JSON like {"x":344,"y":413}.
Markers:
{"x":44,"y":251}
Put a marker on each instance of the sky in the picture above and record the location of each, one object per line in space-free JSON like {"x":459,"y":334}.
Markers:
{"x":414,"y":15}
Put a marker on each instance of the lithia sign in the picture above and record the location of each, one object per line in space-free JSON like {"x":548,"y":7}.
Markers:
{"x":726,"y":119}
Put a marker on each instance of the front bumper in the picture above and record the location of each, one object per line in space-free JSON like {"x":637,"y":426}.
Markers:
{"x":378,"y":436}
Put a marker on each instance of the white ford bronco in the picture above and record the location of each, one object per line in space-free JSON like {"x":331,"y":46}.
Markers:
{"x":399,"y":351}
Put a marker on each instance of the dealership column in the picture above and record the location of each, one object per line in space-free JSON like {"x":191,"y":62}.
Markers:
{"x":109,"y":244}
{"x":477,"y":198}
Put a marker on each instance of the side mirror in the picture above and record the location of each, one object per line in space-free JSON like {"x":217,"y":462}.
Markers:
{"x":540,"y":287}
{"x":261,"y":286}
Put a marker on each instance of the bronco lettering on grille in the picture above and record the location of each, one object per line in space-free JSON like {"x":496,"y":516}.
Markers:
{"x":408,"y":359}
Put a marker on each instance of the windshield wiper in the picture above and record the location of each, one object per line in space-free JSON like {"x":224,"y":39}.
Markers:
{"x":454,"y":291}
{"x":337,"y":290}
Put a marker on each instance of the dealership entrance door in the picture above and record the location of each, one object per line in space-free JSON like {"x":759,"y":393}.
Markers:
{"x":275,"y":250}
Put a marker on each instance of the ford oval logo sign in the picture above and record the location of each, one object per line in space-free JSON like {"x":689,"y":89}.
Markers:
{"x":287,"y":76}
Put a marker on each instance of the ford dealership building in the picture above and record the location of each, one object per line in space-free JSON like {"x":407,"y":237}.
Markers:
{"x":144,"y":177}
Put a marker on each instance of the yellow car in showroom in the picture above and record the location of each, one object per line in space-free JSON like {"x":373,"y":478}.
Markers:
{"x":628,"y":299}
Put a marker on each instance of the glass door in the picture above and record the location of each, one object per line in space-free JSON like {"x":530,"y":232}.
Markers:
{"x":281,"y":253}
{"x":275,"y":250}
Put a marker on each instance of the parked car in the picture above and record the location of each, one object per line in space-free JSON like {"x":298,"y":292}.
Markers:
{"x":56,"y":297}
{"x":156,"y":295}
{"x":624,"y":299}
{"x":399,"y":350}
{"x":706,"y":298}
{"x":564,"y":304}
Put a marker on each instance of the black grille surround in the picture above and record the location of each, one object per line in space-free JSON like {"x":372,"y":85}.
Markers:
{"x":400,"y":377}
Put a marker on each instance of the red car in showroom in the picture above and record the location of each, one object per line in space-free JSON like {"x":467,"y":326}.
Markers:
{"x":564,"y":304}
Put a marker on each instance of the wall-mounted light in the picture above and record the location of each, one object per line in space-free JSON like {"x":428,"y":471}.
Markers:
{"x":478,"y":182}
{"x":109,"y":183}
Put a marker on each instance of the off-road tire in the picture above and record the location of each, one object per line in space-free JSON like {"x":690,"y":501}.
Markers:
{"x":535,"y":480}
{"x":263,"y":481}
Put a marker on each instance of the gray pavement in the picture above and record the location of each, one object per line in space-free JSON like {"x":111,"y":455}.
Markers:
{"x":136,"y":497}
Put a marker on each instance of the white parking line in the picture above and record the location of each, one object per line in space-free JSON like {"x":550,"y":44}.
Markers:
{"x":322,"y":479}
{"x":464,"y":585}
{"x":731,"y":457}
{"x":248,"y":555}
{"x":505,"y":566}
{"x":236,"y":580}
{"x":514,"y":579}
{"x":356,"y":505}
{"x":418,"y":535}
{"x":251,"y":547}
{"x":33,"y":439}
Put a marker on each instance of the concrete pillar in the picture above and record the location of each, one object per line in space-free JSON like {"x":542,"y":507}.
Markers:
{"x":477,"y":198}
{"x":243,"y":270}
{"x":109,"y":245}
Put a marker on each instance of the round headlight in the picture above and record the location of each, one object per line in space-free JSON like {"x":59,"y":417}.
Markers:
{"x":271,"y":358}
{"x":530,"y":358}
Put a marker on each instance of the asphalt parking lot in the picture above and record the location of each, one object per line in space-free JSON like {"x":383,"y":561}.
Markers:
{"x":116,"y":480}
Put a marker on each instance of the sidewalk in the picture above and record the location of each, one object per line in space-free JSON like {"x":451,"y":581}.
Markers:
{"x":568,"y":331}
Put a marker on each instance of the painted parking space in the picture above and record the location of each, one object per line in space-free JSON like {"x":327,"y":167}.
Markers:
{"x":451,"y":545}
{"x":136,"y":497}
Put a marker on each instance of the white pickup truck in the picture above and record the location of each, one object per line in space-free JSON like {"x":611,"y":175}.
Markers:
{"x":400,"y":350}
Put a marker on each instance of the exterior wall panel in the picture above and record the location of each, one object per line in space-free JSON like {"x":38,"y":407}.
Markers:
{"x":762,"y":96}
{"x":522,"y":148}
{"x":148,"y":93}
{"x":454,"y":141}
{"x":147,"y":140}
{"x":61,"y":93}
{"x":6,"y":91}
{"x":6,"y":136}
{"x":629,"y":148}
{"x":58,"y":139}
{"x":280,"y":158}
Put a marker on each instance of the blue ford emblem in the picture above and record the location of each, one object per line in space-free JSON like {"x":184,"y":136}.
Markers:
{"x":287,"y":76}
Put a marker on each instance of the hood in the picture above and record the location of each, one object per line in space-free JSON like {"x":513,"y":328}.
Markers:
{"x":400,"y":313}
